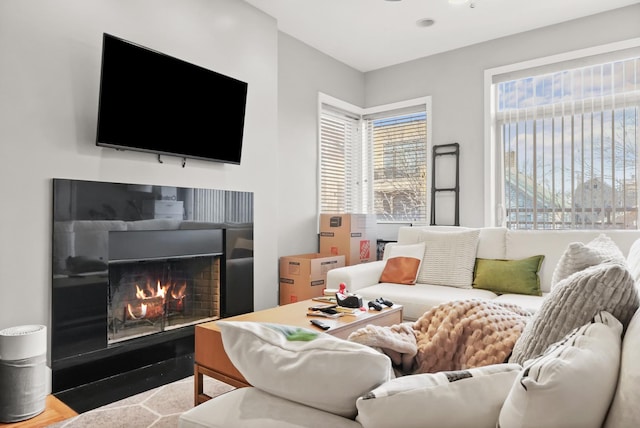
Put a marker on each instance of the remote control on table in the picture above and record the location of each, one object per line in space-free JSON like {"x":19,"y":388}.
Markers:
{"x":320,"y":324}
{"x":375,"y":305}
{"x":383,"y":301}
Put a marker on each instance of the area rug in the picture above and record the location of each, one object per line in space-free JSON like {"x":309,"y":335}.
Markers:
{"x":157,"y":408}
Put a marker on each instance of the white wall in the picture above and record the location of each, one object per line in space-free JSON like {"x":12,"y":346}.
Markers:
{"x":49,"y":75}
{"x":455,"y":81}
{"x":302,"y":73}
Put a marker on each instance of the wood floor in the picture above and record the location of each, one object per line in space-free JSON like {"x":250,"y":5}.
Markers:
{"x":55,"y":411}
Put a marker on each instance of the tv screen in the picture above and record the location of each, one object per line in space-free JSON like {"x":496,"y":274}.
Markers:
{"x":153,"y":102}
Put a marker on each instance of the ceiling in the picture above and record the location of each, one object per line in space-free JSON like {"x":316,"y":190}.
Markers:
{"x":372,"y":34}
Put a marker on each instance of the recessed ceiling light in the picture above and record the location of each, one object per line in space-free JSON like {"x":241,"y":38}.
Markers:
{"x":425,"y":22}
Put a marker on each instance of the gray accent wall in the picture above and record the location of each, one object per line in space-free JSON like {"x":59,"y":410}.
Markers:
{"x":303,"y":72}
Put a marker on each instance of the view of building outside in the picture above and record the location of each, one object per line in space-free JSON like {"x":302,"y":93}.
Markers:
{"x":399,"y":160}
{"x":570,"y":144}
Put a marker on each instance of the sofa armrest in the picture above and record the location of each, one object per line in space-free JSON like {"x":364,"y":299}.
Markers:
{"x":356,"y":276}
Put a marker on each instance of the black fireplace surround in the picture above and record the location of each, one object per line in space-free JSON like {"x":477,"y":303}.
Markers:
{"x":198,"y":245}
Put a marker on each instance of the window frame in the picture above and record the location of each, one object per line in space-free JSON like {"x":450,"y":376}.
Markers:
{"x":362,"y":112}
{"x":494,"y":212}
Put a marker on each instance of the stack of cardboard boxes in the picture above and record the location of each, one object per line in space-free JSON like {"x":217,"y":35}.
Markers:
{"x":345,"y":240}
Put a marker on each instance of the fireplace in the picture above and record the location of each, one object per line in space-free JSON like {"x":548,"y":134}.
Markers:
{"x":148,"y":297}
{"x":129,"y":285}
{"x":161,"y":280}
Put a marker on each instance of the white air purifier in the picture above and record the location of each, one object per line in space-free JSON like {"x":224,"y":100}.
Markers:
{"x":23,"y":357}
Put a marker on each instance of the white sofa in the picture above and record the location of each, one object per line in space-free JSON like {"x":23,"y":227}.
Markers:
{"x":594,"y":379}
{"x":493,"y":243}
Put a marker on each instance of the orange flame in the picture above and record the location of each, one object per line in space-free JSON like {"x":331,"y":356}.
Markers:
{"x":178,"y":293}
{"x":140,"y":293}
{"x":170,"y":294}
{"x":160,"y":291}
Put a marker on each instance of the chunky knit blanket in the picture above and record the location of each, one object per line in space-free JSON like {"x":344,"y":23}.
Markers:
{"x":456,"y":335}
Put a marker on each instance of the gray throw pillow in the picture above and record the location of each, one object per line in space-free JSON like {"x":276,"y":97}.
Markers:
{"x":573,"y":302}
{"x":579,"y":256}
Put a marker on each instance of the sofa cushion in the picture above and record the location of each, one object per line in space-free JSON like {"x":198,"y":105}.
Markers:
{"x":304,"y":366}
{"x":449,"y":257}
{"x":553,"y":243}
{"x":464,"y":398}
{"x":571,"y":384}
{"x":403,"y":263}
{"x":418,"y":299}
{"x":509,"y":276}
{"x":492,"y":243}
{"x":253,"y":408}
{"x":579,"y":256}
{"x":624,"y":411}
{"x":573,"y":302}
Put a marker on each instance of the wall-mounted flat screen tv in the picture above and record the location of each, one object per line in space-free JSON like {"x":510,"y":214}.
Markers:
{"x":156,"y":103}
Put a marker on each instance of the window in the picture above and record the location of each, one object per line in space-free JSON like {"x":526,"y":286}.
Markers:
{"x":398,"y":142}
{"x":374,"y":161}
{"x":568,"y":139}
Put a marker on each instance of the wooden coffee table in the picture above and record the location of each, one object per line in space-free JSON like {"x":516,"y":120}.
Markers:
{"x":211,"y":359}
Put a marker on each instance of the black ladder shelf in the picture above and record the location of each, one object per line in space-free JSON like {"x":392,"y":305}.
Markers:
{"x":452,"y":149}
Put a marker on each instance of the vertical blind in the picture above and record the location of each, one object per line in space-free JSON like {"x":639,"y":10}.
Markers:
{"x":570,"y":144}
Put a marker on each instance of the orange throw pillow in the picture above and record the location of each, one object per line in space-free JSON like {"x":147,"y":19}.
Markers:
{"x":401,"y":270}
{"x":403,"y":264}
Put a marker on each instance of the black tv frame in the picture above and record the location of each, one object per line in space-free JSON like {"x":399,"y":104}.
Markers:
{"x":150,"y":101}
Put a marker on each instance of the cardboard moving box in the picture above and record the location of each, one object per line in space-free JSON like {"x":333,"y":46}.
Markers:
{"x":353,"y":235}
{"x":304,"y":276}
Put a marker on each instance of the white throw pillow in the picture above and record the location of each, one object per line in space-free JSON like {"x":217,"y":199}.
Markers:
{"x":403,"y":264}
{"x":579,"y":256}
{"x":301,"y":365}
{"x":571,"y":384}
{"x":625,"y":411}
{"x":449,"y":257}
{"x":464,"y":398}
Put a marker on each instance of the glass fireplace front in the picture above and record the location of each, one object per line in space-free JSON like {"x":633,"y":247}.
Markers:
{"x":147,"y":297}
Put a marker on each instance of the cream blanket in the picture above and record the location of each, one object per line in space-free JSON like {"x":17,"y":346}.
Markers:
{"x":455,"y":335}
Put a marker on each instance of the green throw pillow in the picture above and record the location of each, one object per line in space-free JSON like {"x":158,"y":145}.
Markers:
{"x":509,"y":276}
